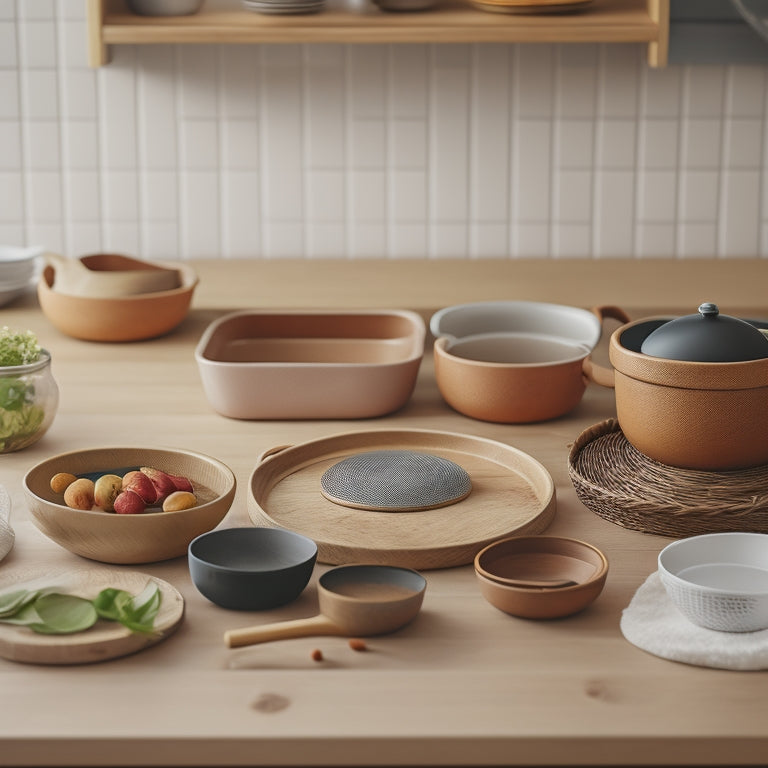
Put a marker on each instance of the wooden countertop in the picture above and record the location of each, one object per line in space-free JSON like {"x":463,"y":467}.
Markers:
{"x":464,"y":684}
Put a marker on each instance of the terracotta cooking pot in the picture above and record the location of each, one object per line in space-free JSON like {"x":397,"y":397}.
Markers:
{"x":708,"y":413}
{"x":515,"y":362}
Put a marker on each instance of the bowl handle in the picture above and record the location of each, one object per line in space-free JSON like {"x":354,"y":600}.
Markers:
{"x":592,"y":371}
{"x":271,"y":452}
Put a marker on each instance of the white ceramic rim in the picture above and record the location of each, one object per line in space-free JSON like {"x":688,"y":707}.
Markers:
{"x":666,"y":573}
{"x":11,"y":253}
{"x":439,"y":318}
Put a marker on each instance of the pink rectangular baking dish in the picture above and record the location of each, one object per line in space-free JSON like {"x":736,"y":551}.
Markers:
{"x":310,"y":364}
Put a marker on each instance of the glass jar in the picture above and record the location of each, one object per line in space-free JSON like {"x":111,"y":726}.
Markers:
{"x":29,"y":398}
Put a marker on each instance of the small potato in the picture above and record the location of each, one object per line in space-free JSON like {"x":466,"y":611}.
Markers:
{"x":105,"y":491}
{"x":179,"y":500}
{"x":61,"y":480}
{"x":129,"y":503}
{"x":79,"y":495}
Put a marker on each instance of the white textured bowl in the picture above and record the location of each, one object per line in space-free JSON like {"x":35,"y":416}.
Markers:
{"x":719,"y":580}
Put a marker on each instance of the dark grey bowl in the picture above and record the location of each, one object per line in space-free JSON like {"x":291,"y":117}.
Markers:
{"x":251,"y":569}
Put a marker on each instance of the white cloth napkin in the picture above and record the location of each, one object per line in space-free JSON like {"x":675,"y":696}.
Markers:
{"x":653,"y":623}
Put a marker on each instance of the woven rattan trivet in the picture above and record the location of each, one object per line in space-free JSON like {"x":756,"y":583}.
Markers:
{"x":622,"y":485}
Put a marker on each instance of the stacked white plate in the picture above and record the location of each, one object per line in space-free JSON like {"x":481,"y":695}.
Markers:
{"x":19,"y":268}
{"x":283,"y":6}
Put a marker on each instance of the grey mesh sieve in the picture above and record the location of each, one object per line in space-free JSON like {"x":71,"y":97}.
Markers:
{"x":395,"y":481}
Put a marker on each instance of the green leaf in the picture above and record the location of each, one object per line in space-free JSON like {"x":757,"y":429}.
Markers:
{"x":18,"y":348}
{"x":63,"y":614}
{"x":107,"y":603}
{"x":12,"y":602}
{"x":26,"y":616}
{"x":49,"y":612}
{"x":136,"y":613}
{"x":13,"y":393}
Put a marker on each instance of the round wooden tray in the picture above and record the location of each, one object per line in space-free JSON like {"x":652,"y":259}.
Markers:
{"x":511,"y":494}
{"x":622,"y":485}
{"x":106,"y":639}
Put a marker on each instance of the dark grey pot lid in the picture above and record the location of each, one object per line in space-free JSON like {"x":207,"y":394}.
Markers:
{"x":707,"y":337}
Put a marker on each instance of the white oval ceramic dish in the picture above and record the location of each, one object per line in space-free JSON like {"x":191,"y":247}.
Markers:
{"x":720,"y":580}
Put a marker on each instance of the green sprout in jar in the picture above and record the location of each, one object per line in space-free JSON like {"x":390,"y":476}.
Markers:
{"x":20,"y":415}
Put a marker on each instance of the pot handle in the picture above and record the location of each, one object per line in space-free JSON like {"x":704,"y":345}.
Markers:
{"x":591,"y":371}
{"x":264,"y":455}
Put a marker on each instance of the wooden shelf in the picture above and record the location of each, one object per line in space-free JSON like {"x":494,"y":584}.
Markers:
{"x":454,"y":21}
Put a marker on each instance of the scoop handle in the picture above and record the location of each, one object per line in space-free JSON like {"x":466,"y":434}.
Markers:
{"x":282,"y":630}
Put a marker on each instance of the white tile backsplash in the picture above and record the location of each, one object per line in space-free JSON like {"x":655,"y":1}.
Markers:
{"x":42,"y":148}
{"x":8,"y":48}
{"x":11,"y":197}
{"x":10,"y":146}
{"x":358,"y":151}
{"x":614,"y":202}
{"x":739,"y":213}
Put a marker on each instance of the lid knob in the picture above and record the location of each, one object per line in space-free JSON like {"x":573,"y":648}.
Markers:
{"x":708,"y":309}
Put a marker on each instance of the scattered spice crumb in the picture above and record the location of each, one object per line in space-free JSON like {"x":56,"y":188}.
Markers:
{"x":357,"y":645}
{"x":317,"y":655}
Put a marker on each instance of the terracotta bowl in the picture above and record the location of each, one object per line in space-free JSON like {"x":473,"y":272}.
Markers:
{"x":128,"y":539}
{"x":516,"y":361}
{"x":251,"y":569}
{"x":124,"y":318}
{"x":540,"y":577}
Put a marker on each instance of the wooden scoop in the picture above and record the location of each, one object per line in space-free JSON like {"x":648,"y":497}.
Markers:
{"x":110,"y":275}
{"x":355,"y":600}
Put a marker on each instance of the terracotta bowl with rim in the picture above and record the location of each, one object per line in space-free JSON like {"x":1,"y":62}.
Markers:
{"x":681,"y":413}
{"x":515,"y":362}
{"x":129,"y":538}
{"x":115,"y":319}
{"x":540,"y":577}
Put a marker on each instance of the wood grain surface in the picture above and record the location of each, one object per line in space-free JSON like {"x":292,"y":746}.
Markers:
{"x":463,"y":684}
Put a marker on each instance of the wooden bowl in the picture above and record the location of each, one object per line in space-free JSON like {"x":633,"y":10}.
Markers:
{"x":540,"y":577}
{"x":129,"y":539}
{"x":123,"y":318}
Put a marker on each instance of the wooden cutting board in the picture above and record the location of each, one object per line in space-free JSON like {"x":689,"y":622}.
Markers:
{"x":106,"y":639}
{"x":512,"y":494}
